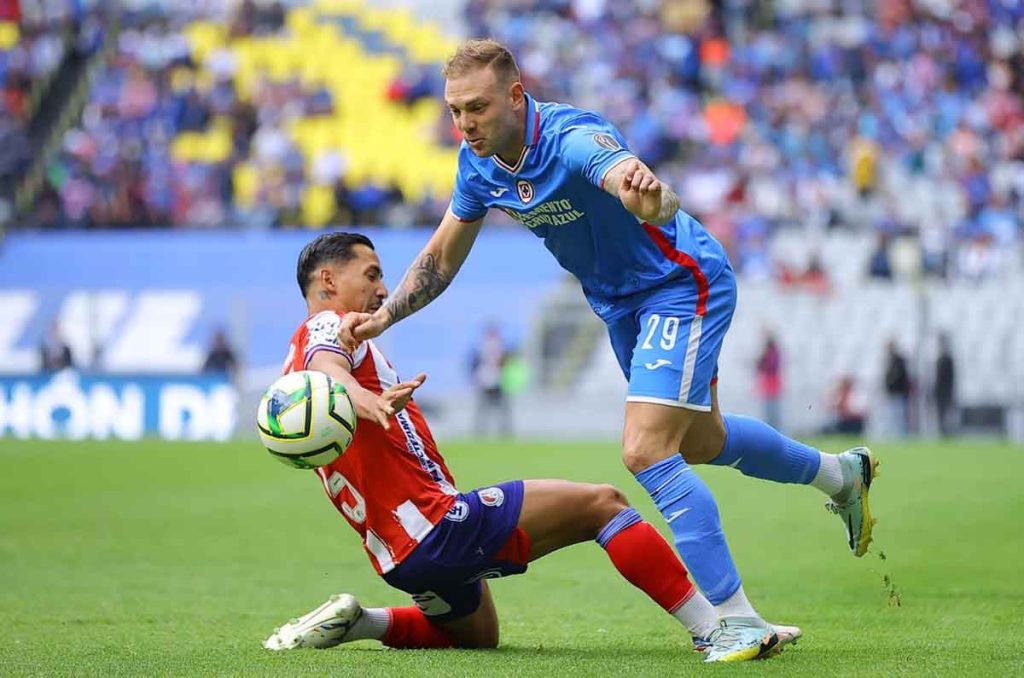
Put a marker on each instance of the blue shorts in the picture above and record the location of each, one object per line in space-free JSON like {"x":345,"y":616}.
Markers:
{"x":668,"y":345}
{"x":477,"y":540}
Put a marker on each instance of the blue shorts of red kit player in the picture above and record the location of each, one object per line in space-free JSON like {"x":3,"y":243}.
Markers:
{"x":478,"y":539}
{"x":668,"y":341}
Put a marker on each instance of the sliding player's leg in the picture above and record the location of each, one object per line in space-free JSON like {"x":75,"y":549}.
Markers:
{"x":341,"y":619}
{"x":559,"y":513}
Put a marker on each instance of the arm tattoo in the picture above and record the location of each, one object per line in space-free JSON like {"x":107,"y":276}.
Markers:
{"x":669,"y":205}
{"x":423,"y":283}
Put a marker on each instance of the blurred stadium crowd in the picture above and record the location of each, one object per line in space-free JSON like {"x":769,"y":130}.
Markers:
{"x":902,"y":118}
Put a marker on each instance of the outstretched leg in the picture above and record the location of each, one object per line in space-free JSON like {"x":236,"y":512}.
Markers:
{"x":757,"y":450}
{"x":342,"y":620}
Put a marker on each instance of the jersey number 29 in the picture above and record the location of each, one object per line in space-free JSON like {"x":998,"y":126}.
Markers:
{"x":669,"y":332}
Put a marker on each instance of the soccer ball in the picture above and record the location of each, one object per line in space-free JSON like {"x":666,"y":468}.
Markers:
{"x":306,"y":419}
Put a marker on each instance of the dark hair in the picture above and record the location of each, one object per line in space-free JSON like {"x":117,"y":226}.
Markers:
{"x":336,"y":247}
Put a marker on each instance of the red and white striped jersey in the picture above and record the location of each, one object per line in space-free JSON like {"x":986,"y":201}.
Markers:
{"x":392,"y":486}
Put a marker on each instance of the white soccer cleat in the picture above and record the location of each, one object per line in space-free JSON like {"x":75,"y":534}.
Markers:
{"x":324,"y":627}
{"x":787,"y":635}
{"x":739,"y":639}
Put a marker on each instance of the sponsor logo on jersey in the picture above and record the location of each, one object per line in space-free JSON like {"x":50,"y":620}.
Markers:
{"x":607,"y":141}
{"x":498,"y":192}
{"x":458,"y":512}
{"x":323,"y":330}
{"x":525,"y":190}
{"x":492,"y":496}
{"x":550,"y":213}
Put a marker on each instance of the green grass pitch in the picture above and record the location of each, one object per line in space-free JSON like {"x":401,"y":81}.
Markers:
{"x":178,"y":559}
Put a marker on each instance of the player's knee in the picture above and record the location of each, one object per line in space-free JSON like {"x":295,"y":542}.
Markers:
{"x":637,"y":454}
{"x":608,"y":501}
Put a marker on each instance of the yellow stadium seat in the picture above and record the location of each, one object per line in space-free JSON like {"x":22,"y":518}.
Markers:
{"x":217,"y":146}
{"x":9,"y":35}
{"x":186,"y":146}
{"x":382,"y":141}
{"x":203,"y":37}
{"x":246,"y":182}
{"x":301,"y":21}
{"x":317,"y":206}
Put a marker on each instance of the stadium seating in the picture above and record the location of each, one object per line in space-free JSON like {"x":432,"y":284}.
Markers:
{"x":354,"y":51}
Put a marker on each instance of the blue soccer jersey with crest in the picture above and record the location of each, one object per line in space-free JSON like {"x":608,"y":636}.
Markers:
{"x":555,"y":190}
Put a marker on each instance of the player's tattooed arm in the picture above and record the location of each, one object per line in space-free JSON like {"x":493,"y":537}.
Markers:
{"x":641,"y":192}
{"x":424,"y":282}
{"x":434,"y":269}
{"x":429,"y":276}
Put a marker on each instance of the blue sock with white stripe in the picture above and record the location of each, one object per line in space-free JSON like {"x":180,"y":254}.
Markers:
{"x":759,"y":451}
{"x":690,"y":511}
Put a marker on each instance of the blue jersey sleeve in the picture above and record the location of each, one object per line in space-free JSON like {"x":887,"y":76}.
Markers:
{"x":592,"y":147}
{"x":466,"y":206}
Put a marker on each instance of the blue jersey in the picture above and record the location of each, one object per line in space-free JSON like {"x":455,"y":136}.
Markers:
{"x":555,"y":190}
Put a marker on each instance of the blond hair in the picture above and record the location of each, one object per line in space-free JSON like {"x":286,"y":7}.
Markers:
{"x":482,"y":53}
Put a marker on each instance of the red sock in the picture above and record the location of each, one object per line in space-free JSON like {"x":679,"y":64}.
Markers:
{"x":643,"y":557}
{"x":410,"y":629}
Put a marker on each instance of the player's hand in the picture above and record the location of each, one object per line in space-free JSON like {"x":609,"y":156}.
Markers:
{"x":369,"y":405}
{"x":640,"y":191}
{"x":358,"y":327}
{"x":399,"y":395}
{"x":380,"y":408}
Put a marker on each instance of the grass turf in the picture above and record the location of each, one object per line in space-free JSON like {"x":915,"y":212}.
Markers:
{"x":176,"y":559}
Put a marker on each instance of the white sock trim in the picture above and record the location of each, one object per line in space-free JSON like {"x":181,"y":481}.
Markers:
{"x":372,"y":625}
{"x":737,"y":605}
{"x":697,"y":615}
{"x":829,"y":478}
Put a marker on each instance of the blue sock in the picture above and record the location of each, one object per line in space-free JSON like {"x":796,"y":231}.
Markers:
{"x":759,"y":451}
{"x":690,"y":511}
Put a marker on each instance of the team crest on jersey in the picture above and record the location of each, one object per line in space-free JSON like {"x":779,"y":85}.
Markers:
{"x":458,"y":512}
{"x":607,"y":141}
{"x":525,"y":190}
{"x":492,"y":496}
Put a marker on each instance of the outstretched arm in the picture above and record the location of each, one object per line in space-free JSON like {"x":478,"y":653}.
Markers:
{"x":430,"y":274}
{"x":367,"y":404}
{"x":641,"y":192}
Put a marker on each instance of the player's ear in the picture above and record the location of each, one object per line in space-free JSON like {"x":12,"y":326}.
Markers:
{"x":517,"y":95}
{"x":326,"y":279}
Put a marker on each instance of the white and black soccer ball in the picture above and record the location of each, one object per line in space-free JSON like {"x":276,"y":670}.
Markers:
{"x":306,"y":419}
